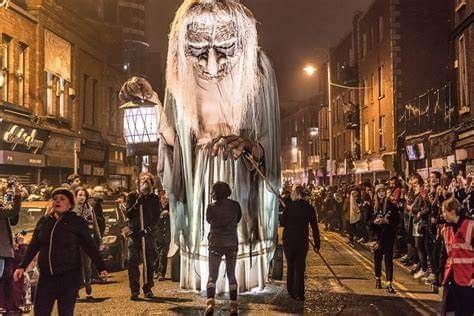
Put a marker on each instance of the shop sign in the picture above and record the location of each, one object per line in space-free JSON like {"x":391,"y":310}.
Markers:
{"x":439,"y":163}
{"x":92,"y":154}
{"x":22,"y":138}
{"x":60,"y":144}
{"x":98,"y":171}
{"x":361,"y":166}
{"x":21,"y":159}
{"x":377,"y":165}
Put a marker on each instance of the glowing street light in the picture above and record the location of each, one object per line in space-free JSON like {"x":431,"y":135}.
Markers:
{"x":309,"y":70}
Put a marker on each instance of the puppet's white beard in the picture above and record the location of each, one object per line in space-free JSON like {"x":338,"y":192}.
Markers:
{"x":205,"y":105}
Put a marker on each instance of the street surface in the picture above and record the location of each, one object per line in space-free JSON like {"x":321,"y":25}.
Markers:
{"x":324,"y":295}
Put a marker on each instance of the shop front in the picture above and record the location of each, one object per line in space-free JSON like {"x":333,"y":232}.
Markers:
{"x":93,"y":162}
{"x":21,"y":151}
{"x":119,"y":174}
{"x":442,"y":155}
{"x":464,"y":152}
{"x":61,"y":157}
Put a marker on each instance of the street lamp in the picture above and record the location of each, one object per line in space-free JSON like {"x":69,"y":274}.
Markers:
{"x":310,"y":70}
{"x":140,"y":125}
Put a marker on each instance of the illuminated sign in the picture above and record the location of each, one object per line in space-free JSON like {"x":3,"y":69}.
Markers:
{"x":18,"y":136}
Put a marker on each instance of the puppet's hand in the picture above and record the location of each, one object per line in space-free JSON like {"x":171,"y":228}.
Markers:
{"x":235,"y":145}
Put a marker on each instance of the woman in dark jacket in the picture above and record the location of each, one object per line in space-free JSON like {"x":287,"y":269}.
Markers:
{"x":59,"y":238}
{"x":85,"y":210}
{"x":384,"y":223}
{"x":223,"y":216}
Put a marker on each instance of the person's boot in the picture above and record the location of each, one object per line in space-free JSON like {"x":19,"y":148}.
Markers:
{"x":390,"y":289}
{"x":210,"y":305}
{"x":378,"y":283}
{"x":234,"y":308}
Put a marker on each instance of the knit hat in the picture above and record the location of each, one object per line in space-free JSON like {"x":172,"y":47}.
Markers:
{"x":67,"y":193}
{"x":379,"y":187}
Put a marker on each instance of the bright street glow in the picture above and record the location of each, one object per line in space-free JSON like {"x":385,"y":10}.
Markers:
{"x":310,"y":70}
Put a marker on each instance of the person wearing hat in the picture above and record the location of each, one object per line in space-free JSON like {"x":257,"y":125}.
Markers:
{"x":385,"y":219}
{"x":58,"y":239}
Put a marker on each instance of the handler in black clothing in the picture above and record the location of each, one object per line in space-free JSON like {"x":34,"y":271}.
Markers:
{"x":295,"y":219}
{"x":59,"y":238}
{"x":384,"y":223}
{"x":223,"y":216}
{"x":151,"y":214}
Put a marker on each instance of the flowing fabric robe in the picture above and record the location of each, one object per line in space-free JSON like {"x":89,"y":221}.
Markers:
{"x":188,"y":171}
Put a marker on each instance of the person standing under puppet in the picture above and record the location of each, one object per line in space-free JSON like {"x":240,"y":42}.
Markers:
{"x":143,"y":198}
{"x":295,"y":220}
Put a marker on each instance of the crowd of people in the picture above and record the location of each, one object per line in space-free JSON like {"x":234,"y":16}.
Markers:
{"x":401,"y":219}
{"x":71,"y":256}
{"x":425,"y":223}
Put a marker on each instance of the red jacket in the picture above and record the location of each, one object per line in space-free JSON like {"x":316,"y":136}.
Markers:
{"x":459,"y":248}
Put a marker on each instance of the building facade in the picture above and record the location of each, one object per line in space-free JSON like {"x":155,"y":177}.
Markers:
{"x":463,"y":39}
{"x":345,"y":106}
{"x":300,"y":143}
{"x":62,"y":70}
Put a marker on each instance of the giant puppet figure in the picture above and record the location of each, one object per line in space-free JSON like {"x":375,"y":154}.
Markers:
{"x":221,"y":101}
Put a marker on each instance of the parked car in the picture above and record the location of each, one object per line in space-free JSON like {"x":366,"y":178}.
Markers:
{"x":114,"y":247}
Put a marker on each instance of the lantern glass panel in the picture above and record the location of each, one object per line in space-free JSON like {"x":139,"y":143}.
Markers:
{"x":140,"y":125}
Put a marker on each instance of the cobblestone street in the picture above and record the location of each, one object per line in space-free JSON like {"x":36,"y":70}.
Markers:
{"x":357,"y":296}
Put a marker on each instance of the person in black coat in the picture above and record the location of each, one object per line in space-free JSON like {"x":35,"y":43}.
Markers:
{"x":58,"y":239}
{"x":162,"y":234}
{"x":297,"y":216}
{"x":384,"y":224}
{"x":150,"y":202}
{"x":224,"y":215}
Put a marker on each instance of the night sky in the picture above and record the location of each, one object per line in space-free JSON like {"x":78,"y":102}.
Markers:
{"x":292,"y":32}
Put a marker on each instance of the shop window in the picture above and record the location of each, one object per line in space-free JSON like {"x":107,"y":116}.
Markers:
{"x":4,"y":67}
{"x":21,"y":73}
{"x":463,"y":76}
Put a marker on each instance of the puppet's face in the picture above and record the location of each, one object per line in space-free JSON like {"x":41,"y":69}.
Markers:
{"x":212,"y":46}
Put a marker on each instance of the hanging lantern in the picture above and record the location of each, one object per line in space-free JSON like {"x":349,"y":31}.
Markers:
{"x":140,"y":124}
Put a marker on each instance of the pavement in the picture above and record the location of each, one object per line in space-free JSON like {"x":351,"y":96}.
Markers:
{"x":356,"y":295}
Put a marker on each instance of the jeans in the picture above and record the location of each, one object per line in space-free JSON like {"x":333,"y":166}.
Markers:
{"x":86,"y":271}
{"x":215,"y":256}
{"x":387,"y":255}
{"x":420,"y":245}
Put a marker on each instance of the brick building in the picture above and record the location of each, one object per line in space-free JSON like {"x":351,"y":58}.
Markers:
{"x":61,"y":72}
{"x":345,"y":105}
{"x":399,"y":59}
{"x":300,"y":137}
{"x":463,"y":38}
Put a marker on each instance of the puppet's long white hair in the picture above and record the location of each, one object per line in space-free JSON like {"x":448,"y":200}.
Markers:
{"x":180,"y":75}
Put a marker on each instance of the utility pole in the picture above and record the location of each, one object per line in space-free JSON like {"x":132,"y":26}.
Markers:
{"x":330,"y":123}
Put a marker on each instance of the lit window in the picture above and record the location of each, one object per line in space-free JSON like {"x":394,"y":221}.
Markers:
{"x":366,"y":137}
{"x":4,"y":67}
{"x":21,"y":74}
{"x":463,"y":75}
{"x":49,"y":94}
